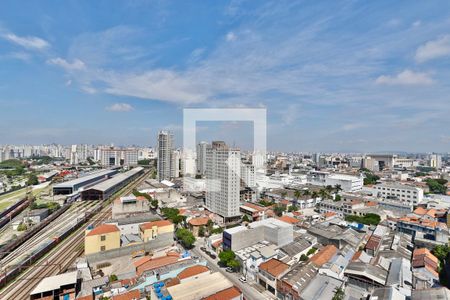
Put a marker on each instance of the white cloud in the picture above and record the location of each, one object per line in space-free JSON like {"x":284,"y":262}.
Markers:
{"x":407,"y":77}
{"x":230,"y":36}
{"x":434,"y":49}
{"x":417,"y":23}
{"x":75,"y":65}
{"x":29,"y":42}
{"x":120,"y":107}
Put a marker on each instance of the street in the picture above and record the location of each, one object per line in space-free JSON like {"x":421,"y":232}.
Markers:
{"x":250,"y":293}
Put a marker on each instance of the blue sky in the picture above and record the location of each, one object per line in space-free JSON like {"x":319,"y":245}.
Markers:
{"x":333,"y":75}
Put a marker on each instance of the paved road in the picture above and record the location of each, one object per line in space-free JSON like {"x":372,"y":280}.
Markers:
{"x":249,"y":292}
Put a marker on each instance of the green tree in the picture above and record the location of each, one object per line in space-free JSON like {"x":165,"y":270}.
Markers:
{"x":22,"y":227}
{"x":441,"y":251}
{"x":112,"y":278}
{"x":245,"y":218}
{"x":186,"y":237}
{"x":226,"y":256}
{"x":306,"y":193}
{"x":234,"y":264}
{"x":303,"y":257}
{"x":314,"y":195}
{"x":279,"y":209}
{"x":293,"y":208}
{"x":32,"y":179}
{"x":154,"y":203}
{"x":311,"y":251}
{"x":339,"y":294}
{"x":337,"y":188}
{"x":201,"y":231}
{"x":337,"y":198}
{"x":368,"y":219}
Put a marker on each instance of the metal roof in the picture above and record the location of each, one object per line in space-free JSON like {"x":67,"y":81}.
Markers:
{"x":55,"y":282}
{"x":90,"y":176}
{"x":108,"y":184}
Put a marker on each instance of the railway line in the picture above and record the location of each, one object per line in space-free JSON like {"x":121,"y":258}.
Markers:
{"x":62,"y":256}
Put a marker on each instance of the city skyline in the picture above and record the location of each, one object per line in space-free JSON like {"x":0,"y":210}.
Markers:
{"x":345,"y":76}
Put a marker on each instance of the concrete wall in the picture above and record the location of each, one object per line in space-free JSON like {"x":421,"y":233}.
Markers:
{"x":94,"y":244}
{"x":163,"y":240}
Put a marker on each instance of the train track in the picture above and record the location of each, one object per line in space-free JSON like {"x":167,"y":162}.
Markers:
{"x":61,"y":257}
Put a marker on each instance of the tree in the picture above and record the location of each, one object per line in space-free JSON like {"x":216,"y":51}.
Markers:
{"x":314,"y":195}
{"x":210,"y":226}
{"x":278,"y":210}
{"x":154,"y":203}
{"x":329,"y":188}
{"x":22,"y":227}
{"x":234,"y":264}
{"x":292,"y":208}
{"x":311,"y":251}
{"x":32,"y":180}
{"x":339,"y":294}
{"x":186,"y":237}
{"x":368,"y":219}
{"x":201,"y":231}
{"x":337,"y":198}
{"x":337,"y":188}
{"x":441,"y":251}
{"x":306,"y":193}
{"x":226,"y":256}
{"x":245,"y":218}
{"x":437,"y":186}
{"x":112,"y":278}
{"x":303,"y":257}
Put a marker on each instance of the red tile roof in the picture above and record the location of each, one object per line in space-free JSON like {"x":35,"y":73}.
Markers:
{"x":131,"y":295}
{"x":324,"y":255}
{"x":159,"y":223}
{"x":156,"y":263}
{"x":227,"y":294}
{"x":288,"y":219}
{"x":192,"y":271}
{"x":274,"y":267}
{"x":103,"y":229}
{"x":201,"y":221}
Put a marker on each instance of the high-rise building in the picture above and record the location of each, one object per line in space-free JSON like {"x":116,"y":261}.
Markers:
{"x":73,"y":155}
{"x":165,"y":153}
{"x":223,"y":170}
{"x":201,"y":158}
{"x":111,"y":157}
{"x":175,"y":164}
{"x":435,"y":161}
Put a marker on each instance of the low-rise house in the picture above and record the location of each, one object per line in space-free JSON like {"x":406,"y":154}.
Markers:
{"x":336,"y":265}
{"x":271,"y":230}
{"x":151,"y":230}
{"x":253,"y":211}
{"x":62,"y":286}
{"x":321,"y":287}
{"x":251,"y":257}
{"x":400,"y":276}
{"x":291,"y":284}
{"x":36,"y":215}
{"x":129,"y":205}
{"x":271,"y":271}
{"x":365,"y":276}
{"x":425,"y":269}
{"x":292,"y":252}
{"x":196,"y":223}
{"x":101,"y":238}
{"x":324,"y":255}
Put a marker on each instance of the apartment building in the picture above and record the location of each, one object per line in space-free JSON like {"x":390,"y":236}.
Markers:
{"x":403,"y":193}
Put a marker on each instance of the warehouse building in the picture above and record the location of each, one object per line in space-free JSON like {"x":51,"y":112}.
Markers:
{"x":73,"y":186}
{"x":107,"y":188}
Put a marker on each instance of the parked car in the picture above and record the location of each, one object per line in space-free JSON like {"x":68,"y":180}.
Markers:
{"x":230,"y":270}
{"x":203,"y":249}
{"x":212,"y":255}
{"x":243,"y":279}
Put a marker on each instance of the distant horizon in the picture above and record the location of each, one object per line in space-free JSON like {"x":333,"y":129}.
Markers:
{"x":365,"y":75}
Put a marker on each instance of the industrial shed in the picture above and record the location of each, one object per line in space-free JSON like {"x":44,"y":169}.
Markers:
{"x":72,"y":186}
{"x":107,"y":188}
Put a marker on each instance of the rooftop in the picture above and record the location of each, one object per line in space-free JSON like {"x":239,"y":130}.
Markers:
{"x":107,"y":184}
{"x":159,"y":223}
{"x":199,"y":288}
{"x":55,"y":282}
{"x":274,"y":267}
{"x":324,"y":255}
{"x":192,"y":271}
{"x":103,"y":229}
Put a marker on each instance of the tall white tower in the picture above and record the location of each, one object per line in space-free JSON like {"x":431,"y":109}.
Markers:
{"x":223,"y":179}
{"x":165,"y":152}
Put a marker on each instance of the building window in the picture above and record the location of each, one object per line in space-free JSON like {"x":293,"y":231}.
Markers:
{"x":102,"y":248}
{"x":103,"y":238}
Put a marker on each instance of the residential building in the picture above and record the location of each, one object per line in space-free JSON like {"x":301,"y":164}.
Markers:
{"x":151,"y":230}
{"x":223,"y":175}
{"x":425,"y":269}
{"x":101,"y":238}
{"x":111,"y":156}
{"x":129,"y":205}
{"x":270,"y":272}
{"x":201,"y":158}
{"x":165,"y":166}
{"x":271,"y":230}
{"x":407,"y":194}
